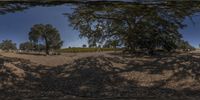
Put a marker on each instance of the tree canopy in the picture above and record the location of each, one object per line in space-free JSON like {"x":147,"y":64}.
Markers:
{"x":6,"y":7}
{"x":136,"y":24}
{"x":140,"y":25}
{"x":48,"y":34}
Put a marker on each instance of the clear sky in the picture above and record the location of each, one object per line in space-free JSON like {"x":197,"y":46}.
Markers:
{"x":191,"y":33}
{"x":15,"y":26}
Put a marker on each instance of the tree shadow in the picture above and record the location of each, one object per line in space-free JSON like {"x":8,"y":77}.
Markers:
{"x":157,"y":53}
{"x":183,"y":65}
{"x":89,"y":77}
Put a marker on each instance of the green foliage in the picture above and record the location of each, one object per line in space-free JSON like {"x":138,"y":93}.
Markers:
{"x":111,"y":44}
{"x":8,"y":45}
{"x":143,"y":26}
{"x":6,"y":7}
{"x":48,"y":34}
{"x":30,"y":46}
{"x":184,"y":45}
{"x":26,"y":46}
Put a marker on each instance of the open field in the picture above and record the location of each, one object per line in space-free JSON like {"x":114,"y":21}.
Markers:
{"x":103,"y":75}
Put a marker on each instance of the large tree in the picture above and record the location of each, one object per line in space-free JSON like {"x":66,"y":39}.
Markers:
{"x":48,"y":34}
{"x":142,"y":25}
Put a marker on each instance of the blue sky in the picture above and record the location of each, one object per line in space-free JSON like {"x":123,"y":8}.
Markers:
{"x":15,"y":26}
{"x":191,"y":33}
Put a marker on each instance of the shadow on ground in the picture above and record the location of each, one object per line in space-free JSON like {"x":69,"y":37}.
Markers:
{"x":95,"y":78}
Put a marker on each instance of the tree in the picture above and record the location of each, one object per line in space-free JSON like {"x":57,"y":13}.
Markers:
{"x":92,"y":45}
{"x":111,"y":44}
{"x":99,"y":46}
{"x":184,"y":45}
{"x":6,"y":7}
{"x":84,"y":46}
{"x":48,"y":34}
{"x":40,"y":47}
{"x":144,"y":26}
{"x":8,"y":45}
{"x":30,"y":46}
{"x":27,"y":46}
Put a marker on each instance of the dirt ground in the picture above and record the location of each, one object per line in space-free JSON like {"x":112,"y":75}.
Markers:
{"x":100,"y":75}
{"x":52,"y":60}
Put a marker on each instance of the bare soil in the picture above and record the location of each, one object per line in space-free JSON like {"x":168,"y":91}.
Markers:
{"x":52,"y":60}
{"x":100,"y":75}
